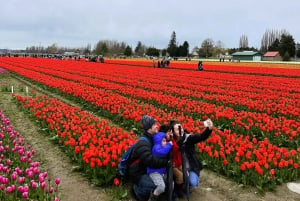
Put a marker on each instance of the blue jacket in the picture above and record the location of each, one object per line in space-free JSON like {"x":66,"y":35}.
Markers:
{"x":159,"y":151}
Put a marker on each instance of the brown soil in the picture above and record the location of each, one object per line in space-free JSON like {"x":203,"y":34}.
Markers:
{"x":74,"y":186}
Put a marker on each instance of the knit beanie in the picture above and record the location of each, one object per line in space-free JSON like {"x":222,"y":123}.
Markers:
{"x":147,"y":122}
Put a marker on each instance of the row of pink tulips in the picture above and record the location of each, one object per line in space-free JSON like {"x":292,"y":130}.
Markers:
{"x":20,"y":177}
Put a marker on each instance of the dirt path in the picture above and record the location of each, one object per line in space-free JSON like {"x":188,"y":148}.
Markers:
{"x":75,"y":186}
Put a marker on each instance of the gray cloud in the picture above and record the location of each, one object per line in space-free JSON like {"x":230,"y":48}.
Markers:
{"x":76,"y":24}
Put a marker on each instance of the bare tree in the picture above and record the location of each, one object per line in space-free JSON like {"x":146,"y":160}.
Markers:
{"x":219,"y":48}
{"x":111,"y":47}
{"x":269,"y":38}
{"x":53,"y":49}
{"x":244,"y":42}
{"x":206,"y":49}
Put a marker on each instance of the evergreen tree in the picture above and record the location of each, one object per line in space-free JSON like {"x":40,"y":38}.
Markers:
{"x":287,"y":45}
{"x":183,"y":50}
{"x":152,"y":51}
{"x":140,"y":49}
{"x":172,"y":47}
{"x":101,"y":48}
{"x":128,"y":51}
{"x":274,"y":46}
{"x":298,"y":53}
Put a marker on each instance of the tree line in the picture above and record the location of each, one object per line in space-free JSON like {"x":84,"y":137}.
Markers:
{"x":272,"y":40}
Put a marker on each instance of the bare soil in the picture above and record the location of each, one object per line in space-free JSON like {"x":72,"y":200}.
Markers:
{"x":74,"y":186}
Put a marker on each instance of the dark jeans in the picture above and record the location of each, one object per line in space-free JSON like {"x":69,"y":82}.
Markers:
{"x":144,"y":187}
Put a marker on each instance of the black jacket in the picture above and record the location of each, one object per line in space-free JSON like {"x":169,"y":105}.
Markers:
{"x":187,"y":145}
{"x":143,"y":151}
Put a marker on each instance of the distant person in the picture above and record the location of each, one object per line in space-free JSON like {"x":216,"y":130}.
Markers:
{"x":162,"y":63}
{"x":200,"y":67}
{"x":101,"y":59}
{"x":168,"y":63}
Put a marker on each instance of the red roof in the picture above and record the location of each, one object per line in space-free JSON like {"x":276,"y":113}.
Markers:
{"x":271,"y":54}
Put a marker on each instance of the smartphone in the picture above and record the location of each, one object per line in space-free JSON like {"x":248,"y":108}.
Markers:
{"x":205,"y":123}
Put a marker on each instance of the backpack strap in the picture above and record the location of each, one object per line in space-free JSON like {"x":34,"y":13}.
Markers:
{"x":145,"y":139}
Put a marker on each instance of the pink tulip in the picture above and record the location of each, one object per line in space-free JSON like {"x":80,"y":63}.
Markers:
{"x":26,"y":188}
{"x":33,"y":185}
{"x":43,"y":185}
{"x":21,"y":152}
{"x":21,"y":180}
{"x":14,"y":176}
{"x":25,"y":195}
{"x":56,"y":199}
{"x":20,"y":172}
{"x":23,"y":159}
{"x":57,"y":181}
{"x":30,"y":174}
{"x":45,"y":174}
{"x":20,"y":189}
{"x":9,"y":189}
{"x":4,"y":180}
{"x":51,"y":190}
{"x":41,"y":178}
{"x":8,"y":162}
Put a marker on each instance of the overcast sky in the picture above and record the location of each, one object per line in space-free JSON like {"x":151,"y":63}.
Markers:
{"x":71,"y":23}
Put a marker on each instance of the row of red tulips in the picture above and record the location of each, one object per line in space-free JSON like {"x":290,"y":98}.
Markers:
{"x":248,"y":122}
{"x":20,"y":177}
{"x":97,"y":147}
{"x":248,"y":68}
{"x":240,"y":121}
{"x":275,"y":96}
{"x":93,"y":143}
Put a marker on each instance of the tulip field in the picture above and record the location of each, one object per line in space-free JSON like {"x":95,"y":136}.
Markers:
{"x":255,"y":109}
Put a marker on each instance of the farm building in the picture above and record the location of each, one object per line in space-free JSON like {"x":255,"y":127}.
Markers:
{"x":246,"y":56}
{"x":272,"y":56}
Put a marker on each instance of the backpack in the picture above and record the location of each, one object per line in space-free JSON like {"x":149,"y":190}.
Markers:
{"x":124,"y":164}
